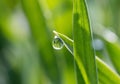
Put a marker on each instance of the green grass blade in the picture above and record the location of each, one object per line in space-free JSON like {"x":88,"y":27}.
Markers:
{"x":114,"y":53}
{"x":41,"y":36}
{"x":68,"y":42}
{"x":83,"y":51}
{"x":105,"y":74}
{"x":112,"y":46}
{"x":69,"y":45}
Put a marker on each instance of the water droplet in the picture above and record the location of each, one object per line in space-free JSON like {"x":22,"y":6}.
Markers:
{"x":57,"y":43}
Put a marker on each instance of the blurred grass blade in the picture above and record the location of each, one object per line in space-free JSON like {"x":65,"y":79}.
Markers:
{"x":83,"y":51}
{"x":112,"y":45}
{"x":114,"y":53}
{"x":105,"y":73}
{"x":41,"y":36}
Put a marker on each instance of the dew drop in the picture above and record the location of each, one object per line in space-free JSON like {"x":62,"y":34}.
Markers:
{"x":57,"y":43}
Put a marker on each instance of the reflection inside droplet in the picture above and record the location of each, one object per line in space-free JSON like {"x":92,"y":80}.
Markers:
{"x":57,"y":43}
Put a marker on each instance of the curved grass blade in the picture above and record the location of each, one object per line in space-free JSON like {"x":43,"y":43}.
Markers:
{"x":105,"y":74}
{"x":83,"y":51}
{"x":112,"y":46}
{"x":114,"y":53}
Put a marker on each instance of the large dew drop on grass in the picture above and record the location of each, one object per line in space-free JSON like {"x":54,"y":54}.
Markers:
{"x":57,"y":43}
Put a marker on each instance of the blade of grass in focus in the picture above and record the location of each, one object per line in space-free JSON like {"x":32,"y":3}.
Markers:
{"x":105,"y":74}
{"x":83,"y":51}
{"x":41,"y":36}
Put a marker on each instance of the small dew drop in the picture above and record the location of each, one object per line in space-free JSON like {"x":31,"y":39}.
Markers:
{"x":57,"y":43}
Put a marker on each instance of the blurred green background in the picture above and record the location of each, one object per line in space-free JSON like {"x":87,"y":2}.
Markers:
{"x":26,"y":52}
